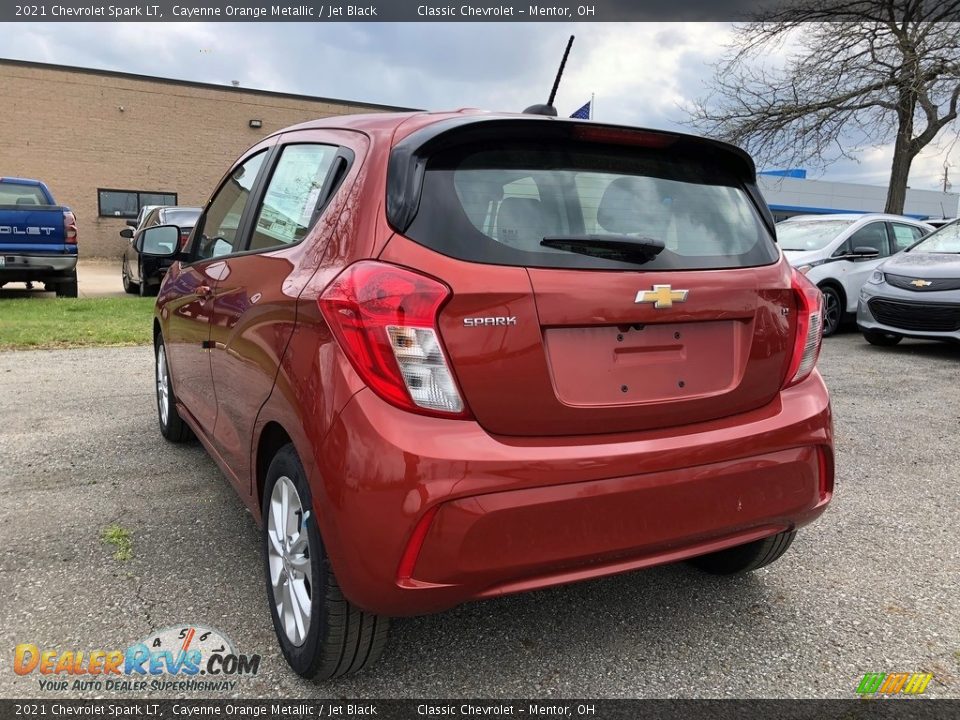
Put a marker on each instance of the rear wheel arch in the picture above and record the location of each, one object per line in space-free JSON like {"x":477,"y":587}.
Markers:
{"x":838,"y":288}
{"x":272,"y":438}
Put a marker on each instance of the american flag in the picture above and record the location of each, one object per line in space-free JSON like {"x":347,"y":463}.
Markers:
{"x":583,"y":113}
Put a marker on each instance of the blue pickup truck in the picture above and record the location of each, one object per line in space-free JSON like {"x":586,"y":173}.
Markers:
{"x":38,"y":238}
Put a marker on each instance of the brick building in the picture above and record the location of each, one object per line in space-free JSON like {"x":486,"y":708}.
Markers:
{"x":106,"y":142}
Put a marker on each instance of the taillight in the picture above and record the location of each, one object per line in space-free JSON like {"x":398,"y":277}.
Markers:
{"x":69,"y":227}
{"x":184,"y":237}
{"x":385,"y":319}
{"x":806,"y":343}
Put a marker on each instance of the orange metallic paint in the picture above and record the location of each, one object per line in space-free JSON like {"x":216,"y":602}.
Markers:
{"x":542,"y":488}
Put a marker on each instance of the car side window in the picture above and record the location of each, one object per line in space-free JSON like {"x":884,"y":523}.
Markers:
{"x":905,"y":235}
{"x":219,"y":226}
{"x":873,"y":235}
{"x":291,"y":201}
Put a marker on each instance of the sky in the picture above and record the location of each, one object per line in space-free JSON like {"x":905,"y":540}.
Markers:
{"x":641,"y":74}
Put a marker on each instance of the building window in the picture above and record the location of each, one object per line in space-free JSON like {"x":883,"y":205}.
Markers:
{"x":127,"y":203}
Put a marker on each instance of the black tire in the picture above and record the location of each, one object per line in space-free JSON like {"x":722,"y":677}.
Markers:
{"x":745,"y":558}
{"x":881,"y":339}
{"x":172,"y":427}
{"x":67,"y":288}
{"x":340,"y":639}
{"x":129,"y":287}
{"x":147,"y":289}
{"x":833,"y":310}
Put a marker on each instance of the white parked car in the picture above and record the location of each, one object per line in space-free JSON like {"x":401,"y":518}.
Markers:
{"x":840,"y":252}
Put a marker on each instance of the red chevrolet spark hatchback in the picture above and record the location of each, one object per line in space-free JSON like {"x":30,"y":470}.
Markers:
{"x":450,"y":356}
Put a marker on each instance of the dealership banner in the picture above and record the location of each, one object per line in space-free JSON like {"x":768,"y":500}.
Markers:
{"x":408,"y":10}
{"x":299,"y":709}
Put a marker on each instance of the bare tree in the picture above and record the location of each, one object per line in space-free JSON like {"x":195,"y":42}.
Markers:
{"x":818,"y":80}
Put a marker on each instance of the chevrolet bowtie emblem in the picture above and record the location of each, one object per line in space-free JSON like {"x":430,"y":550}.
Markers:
{"x":921,"y":283}
{"x":662,"y":296}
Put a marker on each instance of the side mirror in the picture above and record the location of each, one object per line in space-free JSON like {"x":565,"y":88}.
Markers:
{"x":127,"y":233}
{"x":864,"y":252}
{"x":131,"y":223}
{"x":159,"y":241}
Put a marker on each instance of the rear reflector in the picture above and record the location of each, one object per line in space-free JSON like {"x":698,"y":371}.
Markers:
{"x":806,"y":344}
{"x":826,"y":470}
{"x":385,"y":319}
{"x":409,"y":560}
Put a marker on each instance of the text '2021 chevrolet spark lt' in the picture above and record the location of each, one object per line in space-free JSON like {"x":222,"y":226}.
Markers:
{"x":448,"y":356}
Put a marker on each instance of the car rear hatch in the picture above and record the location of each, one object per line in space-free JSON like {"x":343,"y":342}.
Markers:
{"x":658,"y":300}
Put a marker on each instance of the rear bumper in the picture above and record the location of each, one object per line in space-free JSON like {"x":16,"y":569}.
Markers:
{"x":21,"y":267}
{"x":424,"y":514}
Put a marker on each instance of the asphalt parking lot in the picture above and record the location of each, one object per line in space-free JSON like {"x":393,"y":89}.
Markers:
{"x":871,"y":587}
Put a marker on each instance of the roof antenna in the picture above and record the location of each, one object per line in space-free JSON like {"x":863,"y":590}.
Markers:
{"x":549,"y":109}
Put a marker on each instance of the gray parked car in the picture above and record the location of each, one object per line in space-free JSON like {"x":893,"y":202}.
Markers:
{"x":915,"y":293}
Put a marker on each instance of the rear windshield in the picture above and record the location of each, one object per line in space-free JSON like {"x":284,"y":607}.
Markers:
{"x":496,"y":205}
{"x":184,"y":217}
{"x":16,"y":194}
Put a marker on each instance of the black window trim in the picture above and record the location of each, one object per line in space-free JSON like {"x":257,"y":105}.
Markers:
{"x":269,"y":153}
{"x":339,"y":170}
{"x":140,"y":205}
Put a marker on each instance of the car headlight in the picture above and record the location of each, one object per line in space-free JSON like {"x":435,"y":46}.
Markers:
{"x":804,"y":269}
{"x":876,"y":278}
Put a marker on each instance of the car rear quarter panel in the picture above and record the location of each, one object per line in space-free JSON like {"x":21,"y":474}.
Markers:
{"x":314,"y":380}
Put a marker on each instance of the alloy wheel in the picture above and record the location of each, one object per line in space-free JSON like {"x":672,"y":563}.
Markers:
{"x":163,"y":386}
{"x":288,"y":554}
{"x":831,"y":312}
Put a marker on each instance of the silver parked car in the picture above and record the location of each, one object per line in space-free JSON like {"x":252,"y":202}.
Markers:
{"x":915,"y":294}
{"x":839,"y":252}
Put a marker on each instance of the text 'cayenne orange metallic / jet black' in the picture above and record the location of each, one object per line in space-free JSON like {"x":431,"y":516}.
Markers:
{"x":448,"y":356}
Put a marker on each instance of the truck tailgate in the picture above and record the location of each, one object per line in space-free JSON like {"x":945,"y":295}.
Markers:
{"x":34,"y":229}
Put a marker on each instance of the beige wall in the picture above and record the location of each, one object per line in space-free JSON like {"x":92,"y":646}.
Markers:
{"x":65,"y":127}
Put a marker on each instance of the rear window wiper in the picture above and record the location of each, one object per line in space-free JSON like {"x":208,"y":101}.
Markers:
{"x":625,"y":248}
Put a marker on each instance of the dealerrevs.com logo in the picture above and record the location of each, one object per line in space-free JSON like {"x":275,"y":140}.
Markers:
{"x":183,"y":658}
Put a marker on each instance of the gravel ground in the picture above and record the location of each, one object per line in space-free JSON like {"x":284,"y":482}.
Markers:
{"x":871,"y":587}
